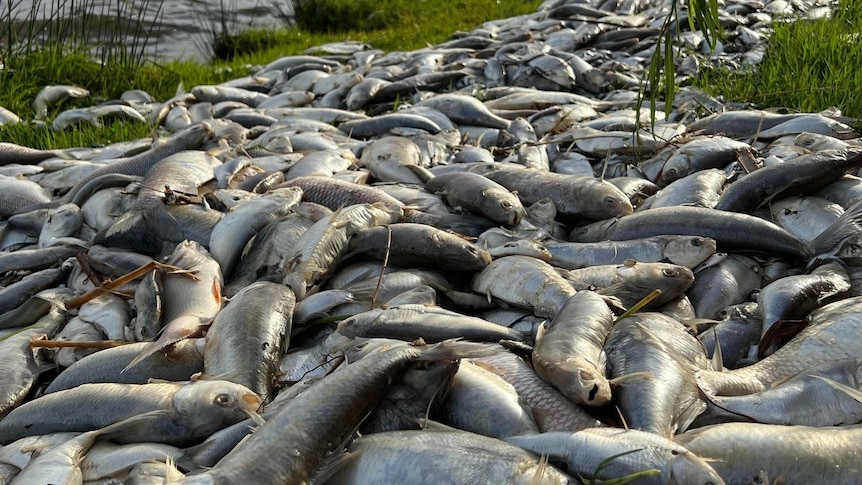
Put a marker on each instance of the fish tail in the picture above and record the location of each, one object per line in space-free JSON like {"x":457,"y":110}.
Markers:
{"x":147,"y":229}
{"x":844,"y":227}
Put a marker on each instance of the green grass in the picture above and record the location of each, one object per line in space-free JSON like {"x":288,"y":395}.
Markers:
{"x":808,"y":66}
{"x":107,"y":72}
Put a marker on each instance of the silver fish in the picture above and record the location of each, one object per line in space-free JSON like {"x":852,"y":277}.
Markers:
{"x":634,"y":451}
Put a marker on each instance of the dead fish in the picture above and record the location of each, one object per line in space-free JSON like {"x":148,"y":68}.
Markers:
{"x":407,"y":457}
{"x":482,"y":402}
{"x":686,"y":251}
{"x":21,"y":366}
{"x":231,"y":234}
{"x":247,"y":338}
{"x":177,"y":362}
{"x":803,"y":174}
{"x":52,"y":95}
{"x":702,"y":154}
{"x":803,"y":400}
{"x":347,"y":395}
{"x":550,"y":408}
{"x":188,"y":411}
{"x":636,"y":451}
{"x":574,"y":196}
{"x":408,"y":244}
{"x":479,"y":195}
{"x":658,"y":358}
{"x":19,"y":193}
{"x":830,"y":336}
{"x":795,"y":454}
{"x":18,"y":154}
{"x":568,"y":353}
{"x":524,"y":282}
{"x":432,"y":324}
{"x":148,"y":226}
{"x":730,"y":230}
{"x":632,"y":281}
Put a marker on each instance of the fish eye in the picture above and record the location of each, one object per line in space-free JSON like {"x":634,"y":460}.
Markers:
{"x":506,"y":204}
{"x":674,"y":452}
{"x":671,"y":171}
{"x":697,"y":242}
{"x":586,"y":375}
{"x":349,"y":321}
{"x":787,"y":212}
{"x":669,"y":272}
{"x":610,"y":201}
{"x":757,"y":479}
{"x":222,"y":399}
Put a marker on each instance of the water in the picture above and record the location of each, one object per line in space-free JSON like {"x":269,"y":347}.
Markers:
{"x":172,"y":29}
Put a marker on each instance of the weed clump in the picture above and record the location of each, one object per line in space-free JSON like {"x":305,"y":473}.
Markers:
{"x":336,"y":16}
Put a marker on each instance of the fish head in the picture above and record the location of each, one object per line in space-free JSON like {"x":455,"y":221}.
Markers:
{"x":502,"y":205}
{"x":611,"y":203}
{"x":676,"y":167}
{"x":359,"y":324}
{"x":583,"y":383}
{"x":359,"y":348}
{"x":207,"y":406}
{"x":525,"y":247}
{"x":688,"y":469}
{"x":689,"y":251}
{"x":596,"y":231}
{"x":543,"y":210}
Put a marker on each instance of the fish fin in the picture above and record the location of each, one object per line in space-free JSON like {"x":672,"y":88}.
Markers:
{"x":622,"y":417}
{"x":629,"y":378}
{"x":332,"y":465}
{"x":717,"y":359}
{"x":132,"y":425}
{"x":612,"y":289}
{"x":178,"y":329}
{"x":457,"y":349}
{"x":717,"y":409}
{"x":691,"y":411}
{"x":541,"y":469}
{"x":779,"y":332}
{"x":854,"y":393}
{"x":518,"y":348}
{"x":423,"y":173}
{"x":488,"y":367}
{"x":431,"y":425}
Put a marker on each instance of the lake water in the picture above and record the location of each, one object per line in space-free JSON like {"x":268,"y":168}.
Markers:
{"x":176,"y":29}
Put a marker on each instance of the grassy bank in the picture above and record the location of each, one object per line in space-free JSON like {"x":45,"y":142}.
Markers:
{"x":405,"y":25}
{"x":796,"y":73}
{"x":810,"y":65}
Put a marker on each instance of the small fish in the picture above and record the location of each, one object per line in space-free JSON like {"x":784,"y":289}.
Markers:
{"x":50,"y":96}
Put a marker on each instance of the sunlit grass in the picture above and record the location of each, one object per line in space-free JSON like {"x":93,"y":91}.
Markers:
{"x":808,"y":66}
{"x":33,"y":60}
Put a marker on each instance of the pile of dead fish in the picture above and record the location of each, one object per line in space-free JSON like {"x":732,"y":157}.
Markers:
{"x":413,"y":267}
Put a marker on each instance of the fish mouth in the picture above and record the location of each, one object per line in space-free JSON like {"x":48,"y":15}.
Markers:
{"x":252,"y":401}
